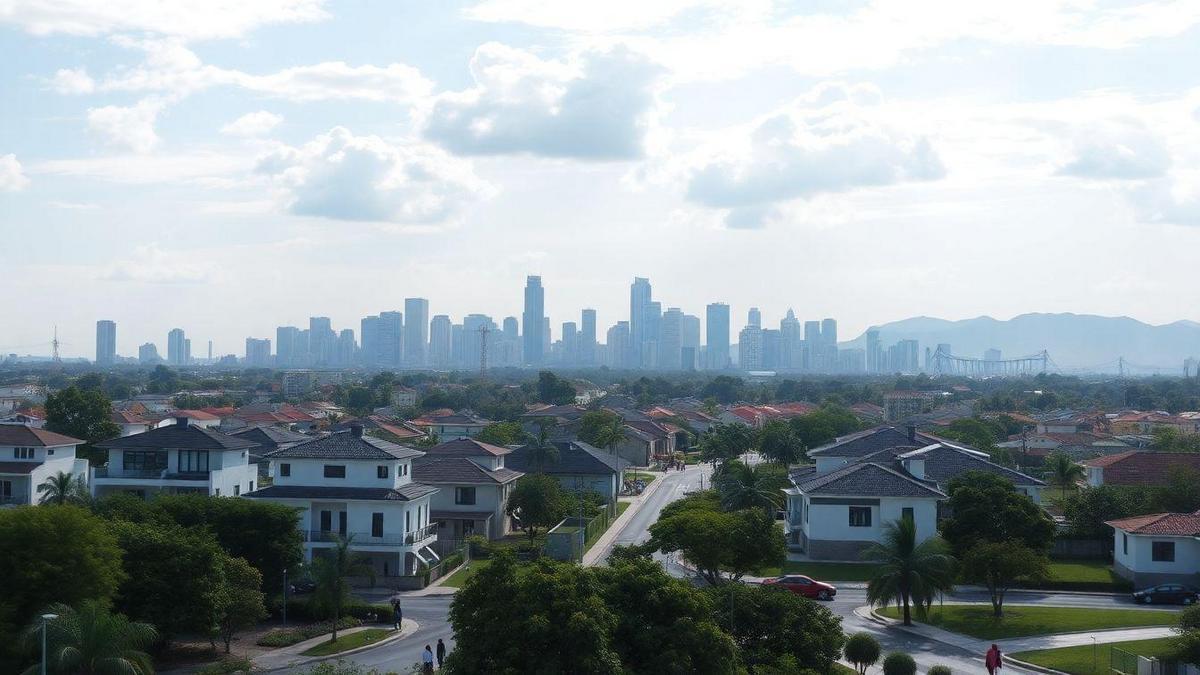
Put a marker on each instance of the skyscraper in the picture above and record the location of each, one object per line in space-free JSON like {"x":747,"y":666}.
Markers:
{"x":391,"y":339}
{"x":345,"y":351}
{"x":570,"y":344}
{"x":106,"y":342}
{"x":750,"y":348}
{"x":368,"y":335}
{"x":286,"y":338}
{"x":587,"y":338}
{"x":533,"y":321}
{"x":416,"y":332}
{"x":689,"y":341}
{"x":177,"y":348}
{"x":670,"y":340}
{"x":813,"y":347}
{"x":148,"y":354}
{"x":874,"y":355}
{"x":258,"y":352}
{"x":639,"y":305}
{"x":754,"y":318}
{"x":829,"y":342}
{"x":321,"y":341}
{"x":717,"y":335}
{"x":790,"y":341}
{"x":618,"y":347}
{"x":439,"y":341}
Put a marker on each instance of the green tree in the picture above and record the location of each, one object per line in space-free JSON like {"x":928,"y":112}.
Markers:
{"x":162,"y":380}
{"x":716,"y":542}
{"x":542,"y":450}
{"x":863,"y":650}
{"x":86,"y":415}
{"x":1089,"y":508}
{"x":899,"y":663}
{"x":360,"y":400}
{"x":240,"y":604}
{"x":725,"y":389}
{"x":822,"y":426}
{"x":750,"y":487}
{"x":777,"y":442}
{"x":723,"y":442}
{"x":1186,"y":647}
{"x":503,"y":433}
{"x":91,"y":641}
{"x":908,"y":571}
{"x":602,"y":428}
{"x":987,"y":507}
{"x":1181,"y":494}
{"x":63,"y":488}
{"x":975,"y":432}
{"x":536,"y":501}
{"x":1001,"y":565}
{"x":777,"y":628}
{"x":1063,"y":471}
{"x":554,"y":390}
{"x":331,"y":570}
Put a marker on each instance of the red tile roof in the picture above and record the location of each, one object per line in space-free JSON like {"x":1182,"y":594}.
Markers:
{"x":1138,"y":467}
{"x":195,"y":415}
{"x":1169,"y":524}
{"x":23,"y":436}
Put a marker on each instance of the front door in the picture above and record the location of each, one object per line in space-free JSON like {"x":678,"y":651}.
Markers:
{"x":326,"y":521}
{"x":342,"y":523}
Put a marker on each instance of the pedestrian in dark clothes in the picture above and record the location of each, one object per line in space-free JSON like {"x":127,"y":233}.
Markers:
{"x":441,"y":652}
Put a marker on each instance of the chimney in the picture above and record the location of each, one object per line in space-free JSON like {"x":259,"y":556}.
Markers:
{"x":912,"y":432}
{"x":181,"y":421}
{"x":356,"y":430}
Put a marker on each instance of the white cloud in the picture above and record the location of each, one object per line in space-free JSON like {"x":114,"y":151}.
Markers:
{"x":198,"y":168}
{"x":584,"y":16}
{"x":12,"y":176}
{"x":1118,"y":149}
{"x":152,"y":265}
{"x":190,"y":19}
{"x":130,"y":127}
{"x":1165,"y":201}
{"x":595,"y":106}
{"x":345,"y":177}
{"x":73,"y":81}
{"x":253,"y":124}
{"x":825,"y":142}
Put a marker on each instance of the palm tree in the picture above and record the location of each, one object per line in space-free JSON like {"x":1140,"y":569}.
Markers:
{"x":1063,"y":471}
{"x":750,"y":487}
{"x":611,"y":434}
{"x":908,"y":571}
{"x":543,"y":450}
{"x":92,"y":641}
{"x":63,"y":488}
{"x":331,"y":570}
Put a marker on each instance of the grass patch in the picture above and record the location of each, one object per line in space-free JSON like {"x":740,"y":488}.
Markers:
{"x":648,"y":478}
{"x":842,"y":669}
{"x":825,"y":571}
{"x":1023,"y":620}
{"x":1080,"y":660}
{"x":286,"y":637}
{"x":1083,"y":575}
{"x":347,"y":642}
{"x":464,"y":573}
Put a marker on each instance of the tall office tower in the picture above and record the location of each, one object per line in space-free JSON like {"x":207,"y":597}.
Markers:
{"x":286,"y":338}
{"x":873,"y":351}
{"x":210,"y":350}
{"x":570,"y":344}
{"x":346,"y":351}
{"x":439,"y":341}
{"x":187,"y":350}
{"x":258,"y":352}
{"x":670,"y":340}
{"x":457,"y":346}
{"x":750,"y":348}
{"x":829,"y":332}
{"x":587,"y":338}
{"x":416,"y":332}
{"x":106,"y":342}
{"x":511,"y":329}
{"x":511,"y":350}
{"x":321,"y":341}
{"x":148,"y":354}
{"x":754,"y":318}
{"x":772,"y":348}
{"x":689,"y":342}
{"x":176,"y":354}
{"x":619,"y":345}
{"x":639,"y":306}
{"x":300,"y":347}
{"x":716,"y":321}
{"x":547,"y":338}
{"x":791,"y":338}
{"x":533,"y":321}
{"x":368,"y":340}
{"x":391,"y":339}
{"x":814,"y":348}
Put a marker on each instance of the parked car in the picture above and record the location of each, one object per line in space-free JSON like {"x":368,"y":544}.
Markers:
{"x":302,"y":587}
{"x":1176,"y":594}
{"x":802,"y":585}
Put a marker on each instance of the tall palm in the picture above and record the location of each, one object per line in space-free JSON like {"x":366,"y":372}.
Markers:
{"x":543,"y":449}
{"x":92,"y":641}
{"x":63,"y":488}
{"x":750,"y":487}
{"x":1063,"y":471}
{"x":908,"y":571}
{"x":331,"y":571}
{"x":611,"y":434}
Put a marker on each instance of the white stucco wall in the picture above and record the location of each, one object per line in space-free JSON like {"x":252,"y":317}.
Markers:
{"x":832,"y":521}
{"x":359,"y":472}
{"x":1138,"y":555}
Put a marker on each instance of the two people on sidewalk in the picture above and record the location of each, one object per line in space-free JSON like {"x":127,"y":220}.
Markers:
{"x":427,"y":657}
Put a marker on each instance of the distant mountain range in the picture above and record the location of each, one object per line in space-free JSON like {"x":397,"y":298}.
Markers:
{"x":1075,"y":341}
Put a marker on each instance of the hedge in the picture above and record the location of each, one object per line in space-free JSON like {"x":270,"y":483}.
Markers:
{"x":286,"y":637}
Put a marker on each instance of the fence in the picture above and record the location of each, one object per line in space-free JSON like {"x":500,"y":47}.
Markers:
{"x":1126,"y":663}
{"x":1121,"y":661}
{"x":1087,"y":549}
{"x":569,"y":539}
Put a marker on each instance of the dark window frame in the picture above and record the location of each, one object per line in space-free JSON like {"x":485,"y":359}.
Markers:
{"x":1160,"y":550}
{"x":376,"y":524}
{"x":333,"y":470}
{"x":382,"y":471}
{"x":863,"y":514}
{"x":285,"y":470}
{"x":460,"y":496}
{"x":139,"y":458}
{"x":197,"y":461}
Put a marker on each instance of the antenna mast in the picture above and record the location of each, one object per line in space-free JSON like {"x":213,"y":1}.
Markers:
{"x":54,"y":346}
{"x":483,"y":346}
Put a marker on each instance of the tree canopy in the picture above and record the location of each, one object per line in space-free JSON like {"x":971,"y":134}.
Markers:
{"x":82,"y":414}
{"x":987,"y":507}
{"x":536,"y":502}
{"x":776,"y":628}
{"x":717,"y":542}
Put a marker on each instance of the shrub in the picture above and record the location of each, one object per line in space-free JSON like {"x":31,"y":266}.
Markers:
{"x":863,"y":650}
{"x":899,"y":663}
{"x":1189,"y":619}
{"x":480,"y":546}
{"x":451,"y":561}
{"x":285,"y":637}
{"x":940,"y":670}
{"x":304,"y":610}
{"x":230,"y":665}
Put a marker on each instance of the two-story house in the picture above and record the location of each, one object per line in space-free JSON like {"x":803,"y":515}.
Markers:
{"x":577,"y":466}
{"x":176,"y":458}
{"x":473,"y":489}
{"x":28,"y":456}
{"x":451,"y":425}
{"x":356,"y":487}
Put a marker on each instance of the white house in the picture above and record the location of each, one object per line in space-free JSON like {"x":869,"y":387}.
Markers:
{"x":578,"y":467}
{"x":178,"y":457}
{"x":473,"y":489}
{"x":28,"y":456}
{"x":357,"y":487}
{"x":451,"y":426}
{"x":1157,"y":548}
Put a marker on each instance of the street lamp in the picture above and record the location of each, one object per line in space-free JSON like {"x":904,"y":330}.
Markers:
{"x":285,"y":597}
{"x":46,"y":619}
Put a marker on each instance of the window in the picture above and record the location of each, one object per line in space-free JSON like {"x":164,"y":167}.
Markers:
{"x":193,"y":461}
{"x":237,"y":490}
{"x":50,"y":452}
{"x":404,"y":468}
{"x":285,"y":470}
{"x":860,"y":516}
{"x":907,"y":513}
{"x":6,"y":489}
{"x":376,"y":524}
{"x":335,"y":471}
{"x":342,"y":523}
{"x":1162,"y":551}
{"x":145,"y":460}
{"x":216,"y":493}
{"x":250,"y":486}
{"x":23,"y":453}
{"x":381,"y":471}
{"x":326,"y":521}
{"x":1124,"y":543}
{"x":408,"y":521}
{"x":464,"y":495}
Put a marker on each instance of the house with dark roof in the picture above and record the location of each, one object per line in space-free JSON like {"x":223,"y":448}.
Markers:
{"x":353,"y":486}
{"x":1139,"y":467}
{"x":1157,"y":548}
{"x":268,"y":438}
{"x":473,"y":487}
{"x":29,"y":456}
{"x":449,"y":426}
{"x":838,"y":506}
{"x":178,"y":457}
{"x":577,"y":466}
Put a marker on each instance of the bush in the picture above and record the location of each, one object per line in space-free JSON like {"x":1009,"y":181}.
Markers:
{"x":285,"y":637}
{"x":899,"y":663}
{"x":480,"y":546}
{"x":862,"y":649}
{"x":305,"y":610}
{"x":1189,"y":619}
{"x":451,"y":561}
{"x":940,"y":670}
{"x":229,"y":665}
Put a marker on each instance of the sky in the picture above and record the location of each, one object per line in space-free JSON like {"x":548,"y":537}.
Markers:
{"x":228,"y":166}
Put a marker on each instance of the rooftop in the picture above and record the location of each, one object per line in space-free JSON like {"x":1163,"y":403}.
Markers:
{"x":403,"y":493}
{"x":350,"y":444}
{"x":1163,"y":524}
{"x":21,"y":435}
{"x":1140,"y":467}
{"x":178,"y":436}
{"x":459,"y":470}
{"x":866,"y":479}
{"x":574,"y":457}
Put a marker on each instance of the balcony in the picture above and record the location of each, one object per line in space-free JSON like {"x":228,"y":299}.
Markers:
{"x":416,"y":537}
{"x":149,"y":474}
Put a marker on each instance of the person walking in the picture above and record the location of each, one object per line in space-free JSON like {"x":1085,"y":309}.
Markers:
{"x":397,"y":615}
{"x":427,"y":661}
{"x":441,"y":653}
{"x":993,"y":660}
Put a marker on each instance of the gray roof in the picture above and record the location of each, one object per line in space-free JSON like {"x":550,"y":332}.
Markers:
{"x":870,"y":442}
{"x":944,"y":461}
{"x":867,"y":479}
{"x":574,"y":457}
{"x":459,"y":470}
{"x":178,"y":436}
{"x":466,"y":447}
{"x":270,"y":438}
{"x":403,"y":493}
{"x":345,"y":445}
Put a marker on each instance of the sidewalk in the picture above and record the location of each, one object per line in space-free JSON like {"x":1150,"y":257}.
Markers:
{"x":599,"y":550}
{"x":287,"y":657}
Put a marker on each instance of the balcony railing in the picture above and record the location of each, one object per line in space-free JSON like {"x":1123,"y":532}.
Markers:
{"x":422,"y":534}
{"x":149,"y":474}
{"x":365,"y":538}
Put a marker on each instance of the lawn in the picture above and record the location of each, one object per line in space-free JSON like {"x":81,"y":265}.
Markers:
{"x":824,"y":571}
{"x":842,"y":669}
{"x":1024,"y":620}
{"x":1084,"y":575}
{"x":350,"y":641}
{"x":1080,"y":660}
{"x":648,"y":478}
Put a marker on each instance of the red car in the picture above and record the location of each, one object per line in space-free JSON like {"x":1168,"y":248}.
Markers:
{"x":802,"y":585}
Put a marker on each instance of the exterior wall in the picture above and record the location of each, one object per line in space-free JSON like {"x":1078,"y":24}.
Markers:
{"x":827,"y":464}
{"x":230,"y":473}
{"x":636,"y":452}
{"x":831,"y":522}
{"x":51,"y":460}
{"x":359,"y":472}
{"x":1135,"y":560}
{"x":609,"y":486}
{"x":1095,"y":476}
{"x":453,"y":432}
{"x":491,"y":498}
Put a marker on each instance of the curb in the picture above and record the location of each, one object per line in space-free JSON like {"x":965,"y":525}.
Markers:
{"x":1033,"y":666}
{"x":406,"y":630}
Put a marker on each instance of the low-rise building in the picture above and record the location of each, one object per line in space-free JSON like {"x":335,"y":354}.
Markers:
{"x":268,"y":439}
{"x":1157,"y":548}
{"x":451,"y":425}
{"x":1139,"y":467}
{"x":29,"y":456}
{"x":578,"y":467}
{"x":473,"y":486}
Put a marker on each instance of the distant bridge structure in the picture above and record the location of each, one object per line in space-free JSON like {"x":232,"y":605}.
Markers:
{"x":945,"y":363}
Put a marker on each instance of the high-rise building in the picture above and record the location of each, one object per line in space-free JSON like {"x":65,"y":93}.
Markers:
{"x":258,"y":352}
{"x":670,"y":340}
{"x":570,"y":344}
{"x":547,"y":338}
{"x":814,"y":348}
{"x":754,"y":318}
{"x":750,"y":348}
{"x":177,"y":348}
{"x":689,"y":342}
{"x":874,"y":352}
{"x":439,"y":341}
{"x":187,"y":350}
{"x":533,"y":321}
{"x":148,"y":354}
{"x":618,"y":346}
{"x":106,"y":342}
{"x":717,"y":335}
{"x":368,"y":334}
{"x":391,"y":339}
{"x":322,"y":341}
{"x":346,"y":349}
{"x":416,"y":332}
{"x":509,"y":352}
{"x":772,"y":348}
{"x":791,"y":342}
{"x":639,"y":306}
{"x":587,"y":338}
{"x":457,"y":346}
{"x":473,"y":327}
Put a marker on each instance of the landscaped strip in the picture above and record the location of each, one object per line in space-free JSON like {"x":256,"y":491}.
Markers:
{"x":349,"y":641}
{"x":1092,"y":659}
{"x":825,"y":571}
{"x":1024,"y":620}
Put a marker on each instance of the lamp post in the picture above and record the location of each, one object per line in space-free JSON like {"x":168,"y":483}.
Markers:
{"x":285,"y":597}
{"x":46,"y":619}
